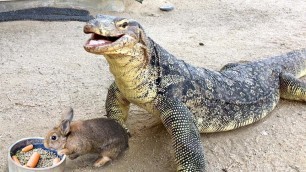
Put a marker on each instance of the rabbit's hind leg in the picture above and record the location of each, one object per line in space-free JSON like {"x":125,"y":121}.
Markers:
{"x":101,"y":161}
{"x":73,"y":156}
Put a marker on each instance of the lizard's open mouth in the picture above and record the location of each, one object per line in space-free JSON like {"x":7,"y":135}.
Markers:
{"x":99,"y":40}
{"x":99,"y":44}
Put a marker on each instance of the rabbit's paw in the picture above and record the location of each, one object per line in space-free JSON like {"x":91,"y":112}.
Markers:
{"x":101,"y":161}
{"x":63,"y":152}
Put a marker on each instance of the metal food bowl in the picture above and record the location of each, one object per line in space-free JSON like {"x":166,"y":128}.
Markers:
{"x":37,"y":142}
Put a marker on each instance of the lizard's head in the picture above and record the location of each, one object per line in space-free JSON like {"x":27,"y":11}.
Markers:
{"x":112,"y":35}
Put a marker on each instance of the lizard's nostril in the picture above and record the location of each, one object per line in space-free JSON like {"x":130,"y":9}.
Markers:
{"x":88,"y":28}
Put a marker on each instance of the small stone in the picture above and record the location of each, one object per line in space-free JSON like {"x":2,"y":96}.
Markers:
{"x":202,"y":44}
{"x":224,"y":170}
{"x":140,"y":1}
{"x":264,"y":133}
{"x":151,"y":14}
{"x":166,"y":7}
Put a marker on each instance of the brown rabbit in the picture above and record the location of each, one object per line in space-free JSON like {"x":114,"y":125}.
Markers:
{"x":100,"y":135}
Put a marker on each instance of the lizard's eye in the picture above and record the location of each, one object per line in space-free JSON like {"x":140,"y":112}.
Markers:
{"x":124,"y":25}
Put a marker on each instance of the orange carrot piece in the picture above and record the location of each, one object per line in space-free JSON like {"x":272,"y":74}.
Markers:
{"x":16,"y":159}
{"x":33,"y":160}
{"x":56,"y":161}
{"x":27,"y":148}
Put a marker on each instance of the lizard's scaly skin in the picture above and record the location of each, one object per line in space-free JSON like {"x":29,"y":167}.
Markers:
{"x":188,"y":99}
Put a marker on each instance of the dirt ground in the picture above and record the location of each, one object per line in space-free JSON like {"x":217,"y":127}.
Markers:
{"x":44,"y":69}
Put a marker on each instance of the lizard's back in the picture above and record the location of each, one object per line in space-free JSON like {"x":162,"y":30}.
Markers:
{"x":233,"y":97}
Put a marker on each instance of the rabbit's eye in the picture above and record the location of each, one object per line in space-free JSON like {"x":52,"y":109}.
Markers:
{"x":53,"y":137}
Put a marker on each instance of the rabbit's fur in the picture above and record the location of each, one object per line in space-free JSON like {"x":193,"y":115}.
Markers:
{"x":100,"y":135}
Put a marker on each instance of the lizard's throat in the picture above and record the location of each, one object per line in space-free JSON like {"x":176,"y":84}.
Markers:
{"x":133,"y":77}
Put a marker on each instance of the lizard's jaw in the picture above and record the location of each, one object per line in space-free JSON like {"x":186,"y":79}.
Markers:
{"x":99,"y":44}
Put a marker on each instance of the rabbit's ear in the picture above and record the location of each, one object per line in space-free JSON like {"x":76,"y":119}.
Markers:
{"x":68,"y":115}
{"x":66,"y":120}
{"x":65,"y":127}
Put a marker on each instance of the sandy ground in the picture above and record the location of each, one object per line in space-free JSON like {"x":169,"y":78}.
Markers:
{"x":44,"y":69}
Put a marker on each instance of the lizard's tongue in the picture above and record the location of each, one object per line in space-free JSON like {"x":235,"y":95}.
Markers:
{"x":98,"y":42}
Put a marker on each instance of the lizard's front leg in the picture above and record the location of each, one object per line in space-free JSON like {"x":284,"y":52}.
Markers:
{"x":117,"y":106}
{"x":292,"y":88}
{"x":177,"y":119}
